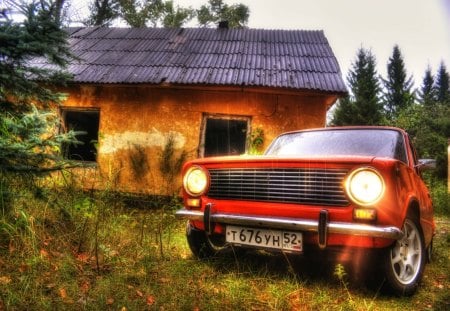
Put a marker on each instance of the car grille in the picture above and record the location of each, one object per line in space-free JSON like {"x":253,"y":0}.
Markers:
{"x":285,"y":185}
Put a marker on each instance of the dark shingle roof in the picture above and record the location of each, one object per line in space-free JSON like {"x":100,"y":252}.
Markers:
{"x":292,"y":59}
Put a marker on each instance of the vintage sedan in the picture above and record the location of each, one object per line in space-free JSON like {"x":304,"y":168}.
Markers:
{"x":345,"y":189}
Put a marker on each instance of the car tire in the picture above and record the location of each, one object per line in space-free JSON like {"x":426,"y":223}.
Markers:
{"x":202,"y":245}
{"x":404,"y":262}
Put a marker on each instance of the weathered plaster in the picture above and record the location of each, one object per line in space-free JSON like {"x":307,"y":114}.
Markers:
{"x":111,"y":143}
{"x":145,"y":116}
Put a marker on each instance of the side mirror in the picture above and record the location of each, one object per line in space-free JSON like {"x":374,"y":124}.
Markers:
{"x":426,"y":164}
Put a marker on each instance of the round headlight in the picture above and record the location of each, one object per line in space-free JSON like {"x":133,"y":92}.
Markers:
{"x":365,"y":186}
{"x":195,"y":181}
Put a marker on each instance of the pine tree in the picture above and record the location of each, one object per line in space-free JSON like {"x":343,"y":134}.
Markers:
{"x":398,"y":94}
{"x":344,"y":112}
{"x":428,"y":123}
{"x":363,"y":107}
{"x":28,"y":142}
{"x":443,"y":85}
{"x":427,"y":92}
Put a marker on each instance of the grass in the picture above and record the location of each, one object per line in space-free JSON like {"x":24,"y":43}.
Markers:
{"x":74,"y":251}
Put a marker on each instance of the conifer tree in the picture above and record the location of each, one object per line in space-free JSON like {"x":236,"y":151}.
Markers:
{"x":398,"y":94}
{"x":33,"y":57}
{"x":428,"y":124}
{"x":344,"y":112}
{"x":427,"y":92}
{"x":363,"y":107}
{"x":443,"y":85}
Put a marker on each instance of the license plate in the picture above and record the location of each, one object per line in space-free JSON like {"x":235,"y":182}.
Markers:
{"x":264,"y":238}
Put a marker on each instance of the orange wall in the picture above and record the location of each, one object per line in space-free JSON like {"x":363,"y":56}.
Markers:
{"x":145,"y":116}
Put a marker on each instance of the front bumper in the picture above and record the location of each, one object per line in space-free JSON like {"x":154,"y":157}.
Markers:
{"x":322,"y":227}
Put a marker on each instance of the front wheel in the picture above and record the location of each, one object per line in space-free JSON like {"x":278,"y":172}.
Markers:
{"x":201,"y":244}
{"x":404,"y":262}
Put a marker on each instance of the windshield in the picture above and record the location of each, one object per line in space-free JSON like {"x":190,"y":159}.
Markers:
{"x":341,"y":142}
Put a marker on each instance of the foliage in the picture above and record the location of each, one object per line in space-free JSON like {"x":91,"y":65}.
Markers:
{"x":102,"y":12}
{"x":39,"y":36}
{"x":138,"y":13}
{"x":176,"y":17}
{"x":215,"y":11}
{"x":427,"y":92}
{"x":256,"y":141}
{"x":363,"y":106}
{"x":160,"y":13}
{"x":398,"y":94}
{"x":428,"y":125}
{"x":425,"y":118}
{"x":440,"y":195}
{"x":344,"y":112}
{"x":443,"y":85}
{"x":28,"y":142}
{"x":57,"y":8}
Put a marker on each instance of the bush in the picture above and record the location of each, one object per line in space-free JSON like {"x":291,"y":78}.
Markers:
{"x":440,"y":196}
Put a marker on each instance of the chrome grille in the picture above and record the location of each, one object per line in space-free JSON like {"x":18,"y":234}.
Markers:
{"x":284,"y":185}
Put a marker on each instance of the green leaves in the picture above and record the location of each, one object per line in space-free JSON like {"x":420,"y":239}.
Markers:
{"x":215,"y":11}
{"x":160,"y":13}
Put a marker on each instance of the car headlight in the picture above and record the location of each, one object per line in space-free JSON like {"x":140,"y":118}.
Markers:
{"x":195,"y":181}
{"x":365,"y":186}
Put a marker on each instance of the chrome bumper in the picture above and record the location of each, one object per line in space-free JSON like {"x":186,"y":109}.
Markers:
{"x":294,"y":224}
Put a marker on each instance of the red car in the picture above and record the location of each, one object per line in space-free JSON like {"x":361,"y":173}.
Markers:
{"x":342,"y":189}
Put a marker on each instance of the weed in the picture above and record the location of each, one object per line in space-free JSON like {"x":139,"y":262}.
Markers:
{"x":339,"y":272}
{"x":139,"y":162}
{"x":256,"y":141}
{"x":138,"y":259}
{"x":170,"y":164}
{"x":441,"y":197}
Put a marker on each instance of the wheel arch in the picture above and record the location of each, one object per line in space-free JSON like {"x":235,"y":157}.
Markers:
{"x":413,"y":210}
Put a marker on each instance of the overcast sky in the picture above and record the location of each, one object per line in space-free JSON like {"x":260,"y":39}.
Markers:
{"x":421,"y":28}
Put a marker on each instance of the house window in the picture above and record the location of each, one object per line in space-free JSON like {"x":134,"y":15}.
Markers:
{"x":224,"y":135}
{"x":87,"y":123}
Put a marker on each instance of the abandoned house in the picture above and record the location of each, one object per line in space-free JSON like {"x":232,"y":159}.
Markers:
{"x":203,"y":91}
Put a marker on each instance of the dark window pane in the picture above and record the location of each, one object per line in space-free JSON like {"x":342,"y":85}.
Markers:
{"x":225,"y":137}
{"x":86,"y":122}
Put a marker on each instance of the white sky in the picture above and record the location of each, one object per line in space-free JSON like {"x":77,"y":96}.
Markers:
{"x":421,"y":28}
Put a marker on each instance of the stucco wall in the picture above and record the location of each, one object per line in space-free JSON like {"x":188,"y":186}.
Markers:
{"x":135,"y":123}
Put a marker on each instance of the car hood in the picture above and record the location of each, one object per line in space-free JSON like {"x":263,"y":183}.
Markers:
{"x":246,"y":160}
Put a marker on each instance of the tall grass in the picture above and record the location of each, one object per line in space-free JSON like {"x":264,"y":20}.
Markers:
{"x":73,"y":250}
{"x":440,"y":196}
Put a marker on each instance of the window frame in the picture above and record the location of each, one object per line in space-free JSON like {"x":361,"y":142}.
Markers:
{"x":207,"y":116}
{"x":63,"y":111}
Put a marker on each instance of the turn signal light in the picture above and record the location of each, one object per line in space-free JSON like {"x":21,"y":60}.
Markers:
{"x":365,"y":214}
{"x":193,"y":202}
